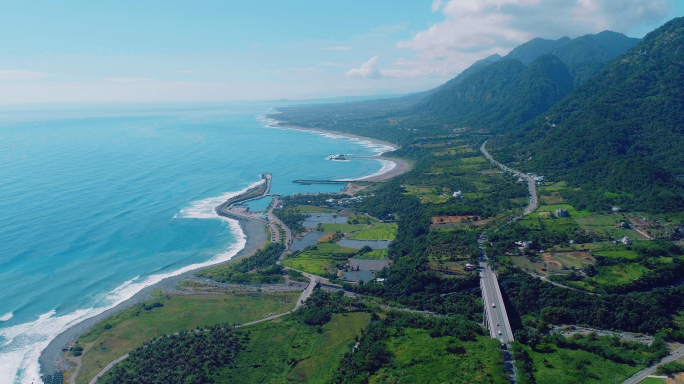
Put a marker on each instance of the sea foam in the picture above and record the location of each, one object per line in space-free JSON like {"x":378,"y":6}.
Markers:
{"x":23,"y":343}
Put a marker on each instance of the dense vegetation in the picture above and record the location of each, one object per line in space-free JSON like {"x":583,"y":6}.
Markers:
{"x":619,"y":136}
{"x":420,"y":349}
{"x":260,"y":268}
{"x":186,"y":357}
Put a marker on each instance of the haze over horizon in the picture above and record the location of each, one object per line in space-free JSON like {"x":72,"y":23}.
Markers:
{"x":176,"y":51}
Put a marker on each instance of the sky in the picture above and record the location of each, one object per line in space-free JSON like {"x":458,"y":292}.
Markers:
{"x":158,"y":51}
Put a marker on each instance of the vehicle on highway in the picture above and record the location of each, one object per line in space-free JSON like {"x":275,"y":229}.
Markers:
{"x":493,"y":305}
{"x":497,"y":324}
{"x":499,"y":332}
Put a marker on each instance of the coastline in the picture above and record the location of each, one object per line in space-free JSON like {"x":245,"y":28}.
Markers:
{"x":400,"y":166}
{"x":255,"y":237}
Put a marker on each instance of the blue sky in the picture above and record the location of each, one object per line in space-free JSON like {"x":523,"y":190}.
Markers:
{"x":130,"y":51}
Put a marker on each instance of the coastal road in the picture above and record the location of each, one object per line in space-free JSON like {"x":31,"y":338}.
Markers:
{"x":644,"y":373}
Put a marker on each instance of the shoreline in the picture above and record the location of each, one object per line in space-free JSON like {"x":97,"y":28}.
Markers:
{"x":255,"y":237}
{"x":401,"y":166}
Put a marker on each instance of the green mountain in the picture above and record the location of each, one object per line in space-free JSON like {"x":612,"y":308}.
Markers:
{"x":585,"y":56}
{"x":528,"y":52}
{"x":620,"y":135}
{"x":506,"y":93}
{"x":531,"y":78}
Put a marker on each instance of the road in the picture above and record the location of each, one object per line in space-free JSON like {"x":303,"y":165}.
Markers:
{"x":531,"y":183}
{"x":644,"y":373}
{"x":495,"y":310}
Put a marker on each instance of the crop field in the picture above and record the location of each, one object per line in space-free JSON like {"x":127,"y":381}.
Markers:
{"x":560,"y":366}
{"x":421,"y":358}
{"x":618,"y":274}
{"x":427,"y":194}
{"x":455,"y":151}
{"x":131,"y":328}
{"x":377,"y":254}
{"x":287,"y":350}
{"x":553,"y":207}
{"x":616,"y":252}
{"x":549,"y":188}
{"x":379,"y":231}
{"x":313,"y":209}
{"x":343,"y":228}
{"x":553,"y":198}
{"x":321,"y":260}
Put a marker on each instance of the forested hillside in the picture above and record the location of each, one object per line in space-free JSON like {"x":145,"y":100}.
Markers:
{"x":621,"y":133}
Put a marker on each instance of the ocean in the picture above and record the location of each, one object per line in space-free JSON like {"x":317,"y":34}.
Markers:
{"x":98,"y":201}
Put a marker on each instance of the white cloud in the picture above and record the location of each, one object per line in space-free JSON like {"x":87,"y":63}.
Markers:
{"x":339,"y":48}
{"x":18,"y":74}
{"x":186,"y":71}
{"x":474,"y":29}
{"x":367,"y":70}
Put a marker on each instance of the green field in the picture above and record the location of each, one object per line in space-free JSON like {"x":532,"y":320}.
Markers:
{"x":287,"y":350}
{"x":313,"y":209}
{"x":379,"y":231}
{"x":343,"y":228}
{"x":420,"y":358}
{"x":377,"y":254}
{"x":320,"y":259}
{"x":553,"y":207}
{"x":132,"y":327}
{"x":560,"y":366}
{"x":618,"y":274}
{"x":615,"y":252}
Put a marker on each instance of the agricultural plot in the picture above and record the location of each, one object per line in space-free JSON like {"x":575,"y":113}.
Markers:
{"x":379,"y":231}
{"x":320,"y":259}
{"x":422,"y":358}
{"x":553,"y":207}
{"x":559,"y":366}
{"x":554,"y":263}
{"x":456,"y":151}
{"x":286,"y":350}
{"x":427,"y":194}
{"x":127,"y":330}
{"x":615,"y":275}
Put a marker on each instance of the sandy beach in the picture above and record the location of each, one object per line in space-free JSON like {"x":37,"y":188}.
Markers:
{"x":401,"y":166}
{"x":255,"y":237}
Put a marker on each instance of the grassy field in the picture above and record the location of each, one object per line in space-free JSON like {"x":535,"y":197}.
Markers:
{"x":132,"y":327}
{"x":313,"y":209}
{"x":618,"y":274}
{"x":420,"y":358}
{"x":553,"y":207}
{"x":379,"y":231}
{"x":320,"y":260}
{"x":426,"y":194}
{"x":454,"y":151}
{"x":343,"y":228}
{"x":378,"y":254}
{"x":560,"y":366}
{"x":287,"y":350}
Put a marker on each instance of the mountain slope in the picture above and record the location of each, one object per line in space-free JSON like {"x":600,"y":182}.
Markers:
{"x":622,"y":132}
{"x":528,"y":52}
{"x":586,"y":55}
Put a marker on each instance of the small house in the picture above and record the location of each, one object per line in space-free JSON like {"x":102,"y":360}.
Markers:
{"x":469,"y":267}
{"x":458,"y":195}
{"x":263,"y":217}
{"x":616,"y":209}
{"x":626,"y":241}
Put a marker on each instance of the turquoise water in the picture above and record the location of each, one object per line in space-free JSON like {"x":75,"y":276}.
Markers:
{"x":99,"y":201}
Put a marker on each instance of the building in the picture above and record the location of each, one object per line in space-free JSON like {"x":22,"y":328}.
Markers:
{"x":458,"y":195}
{"x":469,"y":267}
{"x":626,"y":241}
{"x":616,"y":209}
{"x":560,"y":212}
{"x":263,"y":217}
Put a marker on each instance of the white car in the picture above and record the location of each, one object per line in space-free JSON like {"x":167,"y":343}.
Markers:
{"x":493,"y":305}
{"x":499,"y":332}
